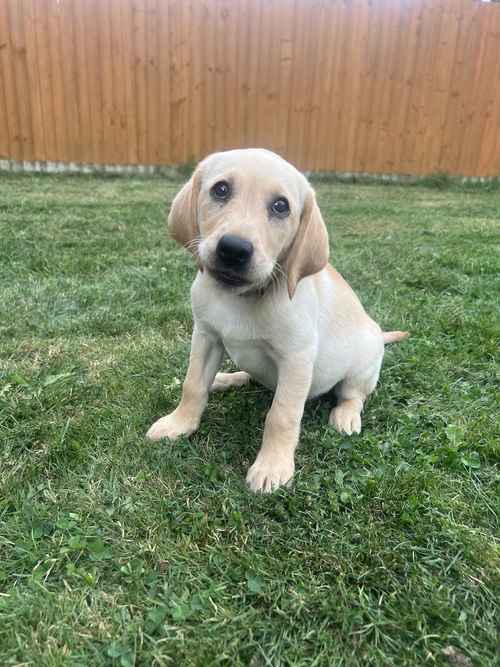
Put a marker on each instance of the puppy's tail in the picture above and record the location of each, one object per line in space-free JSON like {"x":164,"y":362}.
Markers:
{"x":394,"y":336}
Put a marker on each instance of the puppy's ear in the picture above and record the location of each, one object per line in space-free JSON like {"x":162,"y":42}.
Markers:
{"x":183,"y":216}
{"x":309,"y":250}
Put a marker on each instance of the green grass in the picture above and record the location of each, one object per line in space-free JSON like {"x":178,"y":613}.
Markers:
{"x":114,"y":551}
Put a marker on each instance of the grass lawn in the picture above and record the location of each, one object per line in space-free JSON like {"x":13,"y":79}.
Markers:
{"x":114,"y":551}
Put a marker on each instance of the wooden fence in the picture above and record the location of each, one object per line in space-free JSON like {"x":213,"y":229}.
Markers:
{"x":380,"y":86}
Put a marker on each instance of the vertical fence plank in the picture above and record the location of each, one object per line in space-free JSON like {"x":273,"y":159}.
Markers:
{"x":381,"y":139}
{"x":431,"y":120}
{"x":197,"y":49}
{"x":286,"y":12}
{"x":243,"y":84}
{"x":165,"y":155}
{"x":140,"y":76}
{"x":92,"y":58}
{"x":34,"y":83}
{"x":442,"y":81}
{"x":352,"y":83}
{"x":152,"y":80}
{"x":307,"y":72}
{"x":82,"y":82}
{"x":209,"y":96}
{"x":386,"y":132}
{"x":406,"y":79}
{"x":453,"y":101}
{"x":463,"y":86}
{"x":369,"y":52}
{"x":298,"y":84}
{"x":54,"y":10}
{"x":312,"y":155}
{"x":229,"y":21}
{"x":342,"y":99}
{"x":22,"y":88}
{"x":483,"y":51}
{"x":263,"y":81}
{"x":71,"y":76}
{"x":119,"y":82}
{"x":107,"y":81}
{"x":392,"y":130}
{"x":41,"y":45}
{"x":9,"y":84}
{"x":489,"y":151}
{"x":314,"y":75}
{"x":416,"y":74}
{"x":178,"y":82}
{"x":327,"y":125}
{"x":240,"y":46}
{"x":127,"y":40}
{"x":220,"y":67}
{"x":187,"y":106}
{"x":251,"y":137}
{"x":5,"y":152}
{"x":273,"y":109}
{"x":419,"y":116}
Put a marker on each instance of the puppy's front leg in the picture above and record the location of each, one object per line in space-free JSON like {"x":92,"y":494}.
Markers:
{"x":204,"y":362}
{"x":275,"y":465}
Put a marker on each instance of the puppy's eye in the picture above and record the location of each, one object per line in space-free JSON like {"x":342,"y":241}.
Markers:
{"x":221,"y":191}
{"x":280,"y":207}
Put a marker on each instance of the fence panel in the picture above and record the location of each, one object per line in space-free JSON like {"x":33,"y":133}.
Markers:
{"x":385,"y":86}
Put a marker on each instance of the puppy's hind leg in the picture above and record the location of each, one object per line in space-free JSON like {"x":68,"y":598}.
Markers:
{"x":224,"y":381}
{"x":351,"y":395}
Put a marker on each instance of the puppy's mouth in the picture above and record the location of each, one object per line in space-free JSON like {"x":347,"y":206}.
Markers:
{"x":228,"y":278}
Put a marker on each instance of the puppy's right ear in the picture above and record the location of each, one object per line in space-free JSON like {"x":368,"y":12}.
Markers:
{"x":183,"y":216}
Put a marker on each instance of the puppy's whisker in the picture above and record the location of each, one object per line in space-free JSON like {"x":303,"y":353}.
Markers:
{"x":278,"y":273}
{"x":276,"y":277}
{"x":194,"y":243}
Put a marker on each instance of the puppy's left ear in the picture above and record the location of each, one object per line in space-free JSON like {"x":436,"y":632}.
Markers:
{"x":183,"y":216}
{"x":310,"y":249}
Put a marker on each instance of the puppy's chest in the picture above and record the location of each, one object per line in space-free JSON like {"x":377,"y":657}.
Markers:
{"x":254,"y":357}
{"x":250,"y":339}
{"x":240,"y":331}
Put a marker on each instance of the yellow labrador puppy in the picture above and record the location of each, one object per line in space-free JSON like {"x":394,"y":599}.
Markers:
{"x":266,"y":295}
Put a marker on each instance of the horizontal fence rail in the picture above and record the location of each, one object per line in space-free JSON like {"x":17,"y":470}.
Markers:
{"x":371,"y":86}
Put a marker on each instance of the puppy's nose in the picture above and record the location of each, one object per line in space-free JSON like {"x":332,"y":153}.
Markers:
{"x":234,"y":252}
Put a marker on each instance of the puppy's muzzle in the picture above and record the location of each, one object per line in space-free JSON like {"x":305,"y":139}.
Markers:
{"x":233,"y":253}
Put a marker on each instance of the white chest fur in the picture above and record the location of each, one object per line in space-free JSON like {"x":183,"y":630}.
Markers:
{"x":257,"y":331}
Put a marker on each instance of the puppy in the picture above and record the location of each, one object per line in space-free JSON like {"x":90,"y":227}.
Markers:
{"x":266,"y":295}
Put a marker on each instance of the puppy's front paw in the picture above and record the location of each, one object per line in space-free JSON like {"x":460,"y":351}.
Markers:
{"x":269,"y":473}
{"x":172,"y":427}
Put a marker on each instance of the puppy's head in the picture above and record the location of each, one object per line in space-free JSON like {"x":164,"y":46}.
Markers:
{"x":249,"y":217}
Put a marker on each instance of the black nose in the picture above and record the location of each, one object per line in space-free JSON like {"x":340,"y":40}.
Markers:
{"x":233,"y":252}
